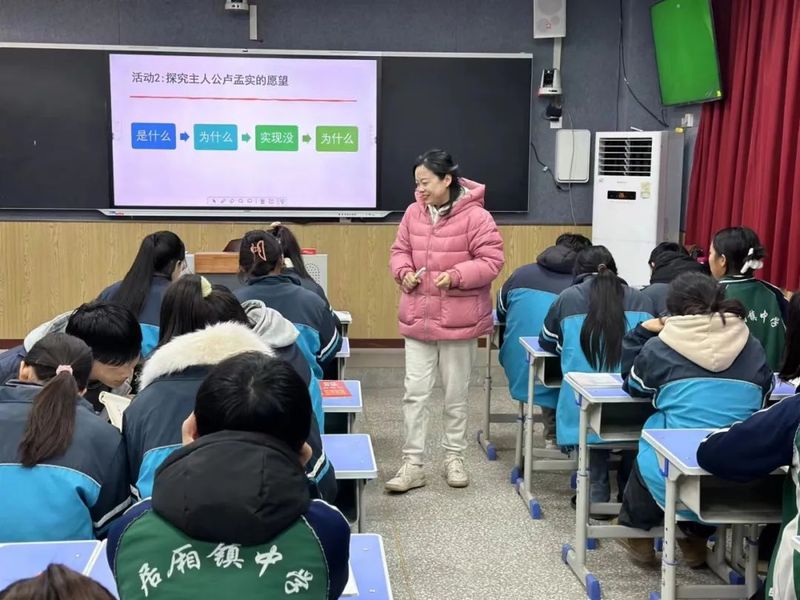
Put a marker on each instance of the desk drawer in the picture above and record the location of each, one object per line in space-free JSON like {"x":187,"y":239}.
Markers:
{"x":715,"y":500}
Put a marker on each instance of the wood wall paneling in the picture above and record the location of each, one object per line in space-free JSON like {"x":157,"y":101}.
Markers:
{"x":49,"y":268}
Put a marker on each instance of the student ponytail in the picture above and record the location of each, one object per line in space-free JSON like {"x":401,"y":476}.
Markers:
{"x":260,"y":254}
{"x":604,"y":326}
{"x":694,"y":293}
{"x":159,"y":253}
{"x":63,"y":363}
{"x":290,"y":248}
{"x":742,"y":250}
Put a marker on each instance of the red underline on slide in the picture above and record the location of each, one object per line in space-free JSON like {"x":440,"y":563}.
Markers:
{"x":338,"y":100}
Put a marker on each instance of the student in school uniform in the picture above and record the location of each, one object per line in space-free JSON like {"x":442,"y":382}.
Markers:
{"x":444,"y":258}
{"x":667,"y":261}
{"x":62,"y":469}
{"x":160,"y":261}
{"x":735,"y":255}
{"x":202,"y":325}
{"x":111,"y":332}
{"x":231,"y":512}
{"x":293,"y":263}
{"x":585,"y":327}
{"x":261,"y":264}
{"x":703,"y":369}
{"x":522,"y":304}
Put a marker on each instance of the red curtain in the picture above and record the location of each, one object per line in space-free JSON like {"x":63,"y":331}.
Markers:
{"x":746,"y":168}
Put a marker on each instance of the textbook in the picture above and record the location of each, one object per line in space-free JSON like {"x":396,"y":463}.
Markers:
{"x":115,"y":406}
{"x":334,"y":389}
{"x":589,"y":380}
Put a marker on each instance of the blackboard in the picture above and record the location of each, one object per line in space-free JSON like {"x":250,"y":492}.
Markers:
{"x":55,"y":126}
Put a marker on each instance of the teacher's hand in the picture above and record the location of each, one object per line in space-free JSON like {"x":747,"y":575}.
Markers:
{"x":410,"y":281}
{"x":442,"y":281}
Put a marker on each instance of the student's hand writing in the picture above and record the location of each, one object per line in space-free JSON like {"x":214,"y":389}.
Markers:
{"x":653,"y":325}
{"x":442,"y":281}
{"x":410,"y":281}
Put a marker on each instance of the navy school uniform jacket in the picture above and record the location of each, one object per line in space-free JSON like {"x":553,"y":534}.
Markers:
{"x":561,"y":333}
{"x":150,"y":315}
{"x":69,"y":497}
{"x":700,"y":373}
{"x":231,"y":517}
{"x":309,"y":284}
{"x":754,"y":448}
{"x":668,"y":266}
{"x":319,"y":338}
{"x":522,"y":305}
{"x":152,"y":423}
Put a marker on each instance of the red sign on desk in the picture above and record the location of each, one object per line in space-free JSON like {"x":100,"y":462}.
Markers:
{"x":334,"y":389}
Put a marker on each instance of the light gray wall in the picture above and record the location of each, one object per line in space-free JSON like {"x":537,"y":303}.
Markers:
{"x":589,"y":60}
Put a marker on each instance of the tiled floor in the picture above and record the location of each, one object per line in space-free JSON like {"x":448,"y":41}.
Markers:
{"x":479,"y":542}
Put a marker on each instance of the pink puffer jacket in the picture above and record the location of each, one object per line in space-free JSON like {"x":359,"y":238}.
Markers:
{"x":466,"y":244}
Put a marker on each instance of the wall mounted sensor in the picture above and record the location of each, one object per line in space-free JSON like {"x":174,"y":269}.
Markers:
{"x":237,"y":5}
{"x":551,"y":83}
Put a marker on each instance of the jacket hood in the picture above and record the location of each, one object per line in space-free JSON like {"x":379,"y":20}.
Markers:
{"x":208,"y":346}
{"x":705,"y":341}
{"x":671,"y":264}
{"x":57,"y":325}
{"x":559,"y":259}
{"x":236,"y":486}
{"x":270,"y":325}
{"x":474,"y":193}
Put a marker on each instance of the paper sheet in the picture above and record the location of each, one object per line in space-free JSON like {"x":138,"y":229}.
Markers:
{"x":115,"y":406}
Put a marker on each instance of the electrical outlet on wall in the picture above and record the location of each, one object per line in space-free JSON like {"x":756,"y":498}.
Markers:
{"x":687,"y":120}
{"x":555,"y":124}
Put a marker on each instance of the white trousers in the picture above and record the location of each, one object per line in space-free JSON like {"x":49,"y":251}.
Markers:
{"x":454,"y":359}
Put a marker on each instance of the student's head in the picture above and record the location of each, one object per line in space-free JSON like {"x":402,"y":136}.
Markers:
{"x":790,"y":369}
{"x":56,"y":582}
{"x":257,"y":393}
{"x":61,"y":364}
{"x":604,"y":327}
{"x":436,"y":177}
{"x":192,"y":303}
{"x":114,"y":336}
{"x":694,"y":293}
{"x":290,"y":248}
{"x":574,"y":241}
{"x":661,"y":249}
{"x":260,"y":254}
{"x":735,"y":251}
{"x":161,"y":253}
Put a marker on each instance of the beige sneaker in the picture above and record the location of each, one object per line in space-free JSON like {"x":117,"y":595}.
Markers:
{"x":639,"y":550}
{"x":409,"y":476}
{"x":694,"y":551}
{"x":455,"y":473}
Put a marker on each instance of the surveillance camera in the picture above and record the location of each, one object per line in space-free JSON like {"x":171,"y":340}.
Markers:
{"x":237,"y":5}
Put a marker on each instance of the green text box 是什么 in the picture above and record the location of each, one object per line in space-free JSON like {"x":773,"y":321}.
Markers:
{"x":277,"y":138}
{"x":337,"y":138}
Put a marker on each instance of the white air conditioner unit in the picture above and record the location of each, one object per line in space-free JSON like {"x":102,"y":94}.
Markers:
{"x":637,"y":196}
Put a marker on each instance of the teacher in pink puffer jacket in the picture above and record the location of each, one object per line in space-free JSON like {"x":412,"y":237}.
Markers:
{"x":446,"y":255}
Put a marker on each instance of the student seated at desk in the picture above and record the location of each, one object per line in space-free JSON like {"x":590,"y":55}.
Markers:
{"x":754,"y":448}
{"x":790,"y":368}
{"x":201,"y":325}
{"x":160,"y":261}
{"x":585,"y":326}
{"x":522,"y":304}
{"x":703,"y":369}
{"x":261,"y":263}
{"x":232,"y":506}
{"x":735,"y":255}
{"x":62,"y":469}
{"x":667,"y":261}
{"x":111,"y":332}
{"x":56,"y":582}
